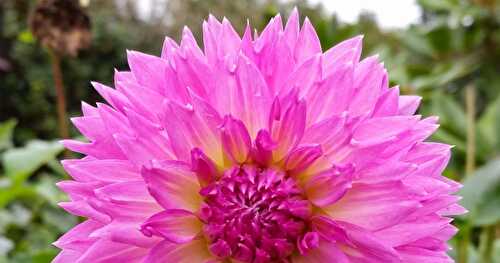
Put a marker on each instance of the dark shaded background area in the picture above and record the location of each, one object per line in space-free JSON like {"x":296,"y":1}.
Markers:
{"x":451,"y":58}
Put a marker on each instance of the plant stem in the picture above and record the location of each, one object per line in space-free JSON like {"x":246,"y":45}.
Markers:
{"x":470,"y":164}
{"x":487,"y":241}
{"x":463,"y":244}
{"x":61,"y":98}
{"x":470,"y":105}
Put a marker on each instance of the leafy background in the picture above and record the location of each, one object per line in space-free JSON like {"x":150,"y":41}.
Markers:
{"x":451,"y":58}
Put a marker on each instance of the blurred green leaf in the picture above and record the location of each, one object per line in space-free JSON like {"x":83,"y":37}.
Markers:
{"x":56,"y":167}
{"x":489,"y":123}
{"x":438,"y":5}
{"x":5,"y":245}
{"x":46,"y":188}
{"x":8,"y":194}
{"x":6,"y":130}
{"x":19,"y":163}
{"x":44,"y":256}
{"x":21,"y":214}
{"x":39,"y":236}
{"x":473,"y":254}
{"x":446,"y":72}
{"x":26,"y":37}
{"x":451,"y":114}
{"x":496,"y":251}
{"x":416,"y":42}
{"x":443,"y":136}
{"x":481,"y":194}
{"x":59,"y":219}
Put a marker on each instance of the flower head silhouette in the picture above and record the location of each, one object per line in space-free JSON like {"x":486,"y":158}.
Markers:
{"x":257,"y":149}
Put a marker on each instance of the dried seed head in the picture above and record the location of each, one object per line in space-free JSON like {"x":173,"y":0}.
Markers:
{"x":61,"y":25}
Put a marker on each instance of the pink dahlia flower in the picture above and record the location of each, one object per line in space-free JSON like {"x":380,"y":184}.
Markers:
{"x":257,"y":149}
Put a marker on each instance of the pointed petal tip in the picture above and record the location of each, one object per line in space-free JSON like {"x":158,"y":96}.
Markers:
{"x":293,"y":18}
{"x":85,"y":104}
{"x":236,"y":140}
{"x":212,"y":17}
{"x":277,"y":18}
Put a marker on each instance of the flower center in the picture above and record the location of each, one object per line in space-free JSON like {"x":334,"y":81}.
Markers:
{"x":254,"y":215}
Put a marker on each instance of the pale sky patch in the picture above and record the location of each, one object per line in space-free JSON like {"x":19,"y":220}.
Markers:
{"x":389,"y":13}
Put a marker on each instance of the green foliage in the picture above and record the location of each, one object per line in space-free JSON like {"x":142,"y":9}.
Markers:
{"x":21,"y":162}
{"x":456,"y":44}
{"x":489,"y":124}
{"x":6,"y":130}
{"x":481,"y":195}
{"x":29,"y":217}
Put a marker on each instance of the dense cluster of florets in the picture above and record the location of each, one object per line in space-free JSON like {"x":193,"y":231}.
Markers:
{"x":254,"y":215}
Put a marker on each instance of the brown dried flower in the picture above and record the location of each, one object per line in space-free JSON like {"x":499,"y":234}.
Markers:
{"x":61,"y":25}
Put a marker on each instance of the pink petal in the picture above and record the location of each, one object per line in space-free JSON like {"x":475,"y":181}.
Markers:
{"x":142,"y":100}
{"x":124,"y":233}
{"x":387,"y":128}
{"x":228,"y":41}
{"x":307,"y":44}
{"x":346,"y":52}
{"x":384,"y":204}
{"x":211,"y":30}
{"x":386,"y":171}
{"x":408,"y":104}
{"x":251,"y":92}
{"x":327,"y":132}
{"x":115,"y":98}
{"x":236,"y":141}
{"x":324,"y":253}
{"x":328,"y":187}
{"x":148,"y":70}
{"x":292,"y":28}
{"x":175,"y":225}
{"x":83,"y":209}
{"x":358,"y":244}
{"x":101,"y":170}
{"x":416,"y":254}
{"x":136,"y":149}
{"x":169,"y":48}
{"x":124,"y":211}
{"x":187,"y":128}
{"x":302,"y":157}
{"x":205,"y":169}
{"x":288,"y":129}
{"x":91,"y":127}
{"x":157,"y":142}
{"x":387,"y":104}
{"x":370,"y":80}
{"x":114,"y":121}
{"x":67,"y":255}
{"x":99,"y":149}
{"x":173,"y":185}
{"x":79,"y":190}
{"x":107,"y":251}
{"x":332,"y":96}
{"x":78,"y":237}
{"x":408,"y":232}
{"x":195,"y":251}
{"x":125,"y":192}
{"x":304,"y":76}
{"x":264,"y":145}
{"x":453,"y":210}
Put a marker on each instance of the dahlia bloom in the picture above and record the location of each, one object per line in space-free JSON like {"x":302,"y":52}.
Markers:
{"x":257,"y":149}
